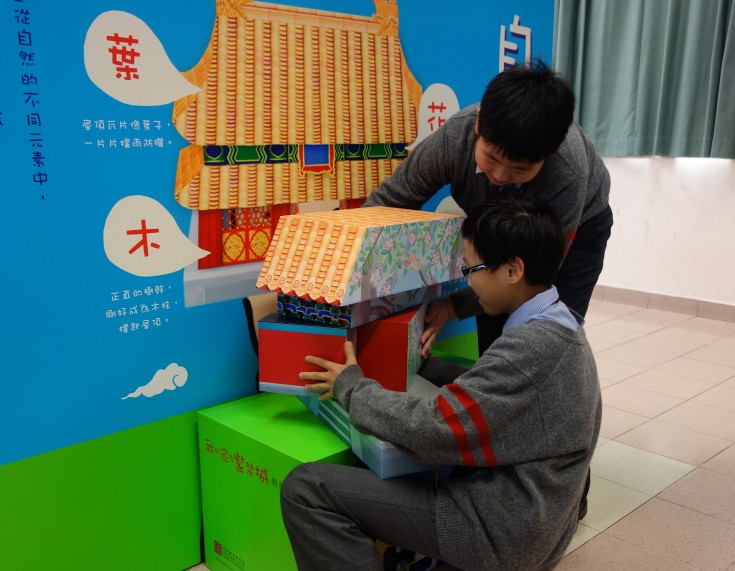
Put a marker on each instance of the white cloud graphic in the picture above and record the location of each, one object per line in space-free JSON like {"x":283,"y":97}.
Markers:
{"x":168,"y":379}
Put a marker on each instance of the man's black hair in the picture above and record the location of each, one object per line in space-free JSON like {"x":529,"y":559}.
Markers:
{"x":525,"y":228}
{"x":526,"y":111}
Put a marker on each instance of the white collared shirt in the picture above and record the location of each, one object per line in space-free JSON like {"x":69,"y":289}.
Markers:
{"x":545,"y":305}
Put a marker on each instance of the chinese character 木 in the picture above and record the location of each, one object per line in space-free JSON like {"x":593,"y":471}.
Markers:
{"x":143,"y":243}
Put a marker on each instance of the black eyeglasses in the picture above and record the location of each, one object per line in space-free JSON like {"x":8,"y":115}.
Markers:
{"x":467,"y":271}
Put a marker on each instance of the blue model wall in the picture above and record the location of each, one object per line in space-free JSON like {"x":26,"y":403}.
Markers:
{"x":91,"y":351}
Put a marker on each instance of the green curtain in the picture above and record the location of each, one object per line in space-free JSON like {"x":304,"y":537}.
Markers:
{"x":652,"y":77}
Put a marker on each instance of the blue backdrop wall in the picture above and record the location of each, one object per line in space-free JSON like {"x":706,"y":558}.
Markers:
{"x":92,"y":348}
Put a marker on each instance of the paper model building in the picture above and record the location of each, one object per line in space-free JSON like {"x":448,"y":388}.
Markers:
{"x":343,"y":257}
{"x":282,"y":345}
{"x":355,"y":314}
{"x":382,"y":457}
{"x":388,"y":349}
{"x":297,"y":105}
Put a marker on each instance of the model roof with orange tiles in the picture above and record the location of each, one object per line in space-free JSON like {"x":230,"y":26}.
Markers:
{"x":346,"y":256}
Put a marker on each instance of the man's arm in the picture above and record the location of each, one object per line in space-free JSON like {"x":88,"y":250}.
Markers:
{"x":459,"y":305}
{"x":426,"y":169}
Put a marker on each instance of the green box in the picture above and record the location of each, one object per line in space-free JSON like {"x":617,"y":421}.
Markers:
{"x":246,"y":449}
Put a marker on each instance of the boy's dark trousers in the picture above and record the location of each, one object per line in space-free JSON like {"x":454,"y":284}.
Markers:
{"x":332,"y":513}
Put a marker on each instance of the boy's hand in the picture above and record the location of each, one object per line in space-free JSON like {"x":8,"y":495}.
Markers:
{"x":437,"y":314}
{"x":324,"y":380}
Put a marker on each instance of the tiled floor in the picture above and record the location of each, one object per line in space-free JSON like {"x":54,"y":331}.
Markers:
{"x":663,"y":477}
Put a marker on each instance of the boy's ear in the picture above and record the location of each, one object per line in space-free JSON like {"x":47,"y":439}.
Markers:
{"x":516,"y":270}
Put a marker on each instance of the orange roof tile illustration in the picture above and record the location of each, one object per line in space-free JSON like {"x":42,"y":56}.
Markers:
{"x":343,"y":257}
{"x":276,"y":79}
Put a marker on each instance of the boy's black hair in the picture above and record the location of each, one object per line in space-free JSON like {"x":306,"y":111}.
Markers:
{"x":525,"y":228}
{"x":526,"y":111}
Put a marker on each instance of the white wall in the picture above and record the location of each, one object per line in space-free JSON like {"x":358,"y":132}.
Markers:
{"x":674,"y":230}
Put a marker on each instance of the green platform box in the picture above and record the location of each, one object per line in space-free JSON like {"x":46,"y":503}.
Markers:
{"x":247,"y":448}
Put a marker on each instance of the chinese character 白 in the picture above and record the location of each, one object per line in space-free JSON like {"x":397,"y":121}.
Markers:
{"x":509,"y":48}
{"x":24,"y":38}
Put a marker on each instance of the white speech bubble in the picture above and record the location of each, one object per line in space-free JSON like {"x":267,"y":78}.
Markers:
{"x":126,"y":60}
{"x":142,"y":238}
{"x":438,"y":103}
{"x":168,"y":379}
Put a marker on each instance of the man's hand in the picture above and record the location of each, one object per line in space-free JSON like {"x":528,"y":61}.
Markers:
{"x":437,"y":314}
{"x":324,"y":380}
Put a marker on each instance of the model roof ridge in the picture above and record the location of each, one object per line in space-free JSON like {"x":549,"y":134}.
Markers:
{"x":390,"y":215}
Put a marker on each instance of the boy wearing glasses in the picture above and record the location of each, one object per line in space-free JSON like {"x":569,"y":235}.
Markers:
{"x":519,"y":427}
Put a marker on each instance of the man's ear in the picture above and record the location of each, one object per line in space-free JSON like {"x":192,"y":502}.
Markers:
{"x":516,"y":270}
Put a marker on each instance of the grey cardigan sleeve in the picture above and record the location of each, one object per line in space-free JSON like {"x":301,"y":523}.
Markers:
{"x":506,"y":409}
{"x":411,"y":422}
{"x":417,"y":178}
{"x":446,"y":157}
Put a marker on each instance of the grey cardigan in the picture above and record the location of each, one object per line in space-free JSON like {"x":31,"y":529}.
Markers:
{"x":574,"y":180}
{"x":525,"y":418}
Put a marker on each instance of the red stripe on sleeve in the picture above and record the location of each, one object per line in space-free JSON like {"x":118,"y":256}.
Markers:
{"x":478,"y":419}
{"x":570,"y":238}
{"x":460,"y":435}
